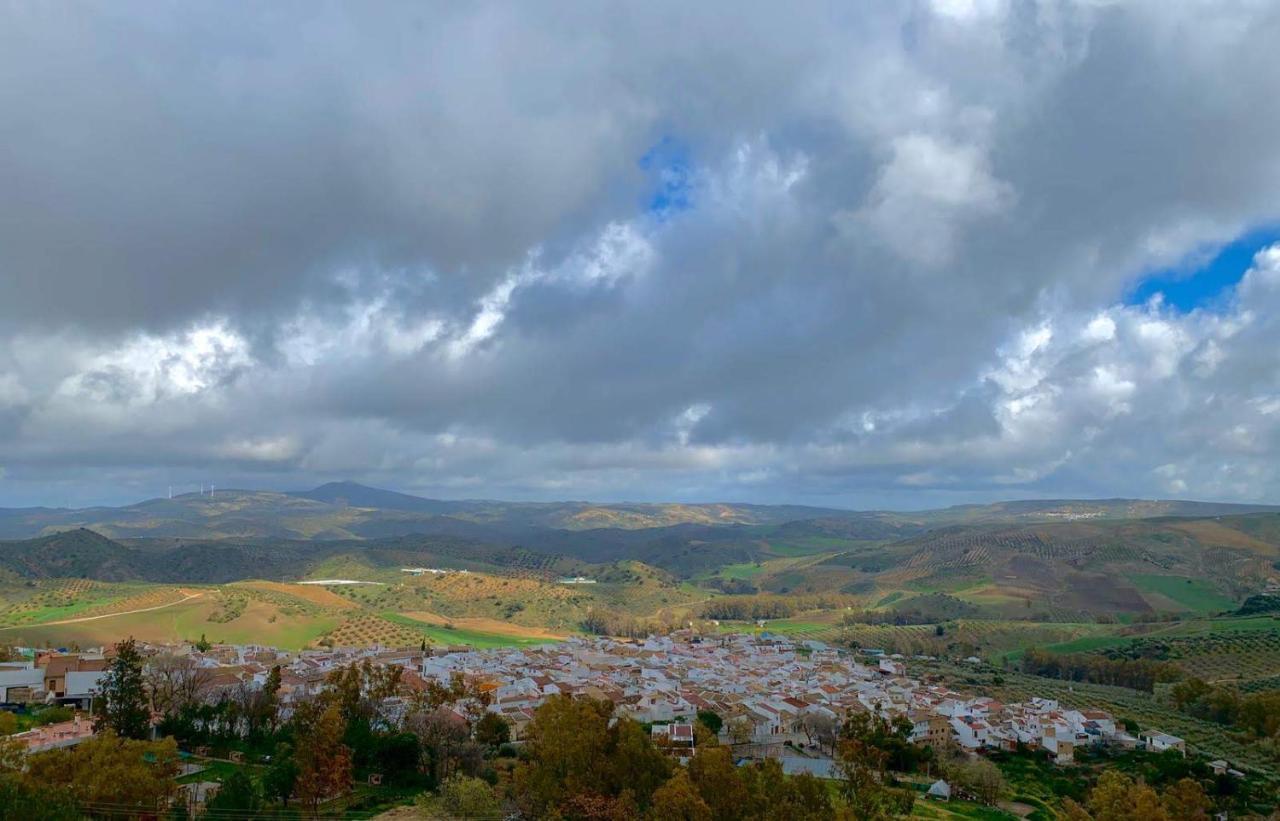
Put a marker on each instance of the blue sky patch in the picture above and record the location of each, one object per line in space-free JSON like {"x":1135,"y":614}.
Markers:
{"x":668,"y":166}
{"x":1194,"y":284}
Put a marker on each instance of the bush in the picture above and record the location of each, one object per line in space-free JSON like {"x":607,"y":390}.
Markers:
{"x":53,"y":715}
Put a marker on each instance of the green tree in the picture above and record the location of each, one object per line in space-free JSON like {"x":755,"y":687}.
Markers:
{"x":575,"y":759}
{"x":280,"y":779}
{"x":203,"y":644}
{"x":23,"y":798}
{"x":122,"y":705}
{"x":462,"y":796}
{"x":862,"y":783}
{"x":566,"y":743}
{"x":716,"y":779}
{"x":135,"y":776}
{"x":711,"y":720}
{"x":54,"y":715}
{"x":635,"y":763}
{"x":238,"y":794}
{"x":492,"y":730}
{"x":775,"y":796}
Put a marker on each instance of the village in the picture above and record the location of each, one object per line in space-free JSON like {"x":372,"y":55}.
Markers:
{"x":776,"y":697}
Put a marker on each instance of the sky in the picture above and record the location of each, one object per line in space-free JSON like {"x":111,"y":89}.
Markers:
{"x":868,"y":255}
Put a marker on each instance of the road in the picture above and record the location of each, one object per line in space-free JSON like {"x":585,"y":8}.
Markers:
{"x":186,"y":598}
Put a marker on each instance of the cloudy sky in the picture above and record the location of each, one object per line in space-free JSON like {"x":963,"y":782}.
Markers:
{"x":860,"y":254}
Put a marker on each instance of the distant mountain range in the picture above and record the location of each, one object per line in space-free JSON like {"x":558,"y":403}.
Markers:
{"x":347,"y":510}
{"x":1048,"y":559}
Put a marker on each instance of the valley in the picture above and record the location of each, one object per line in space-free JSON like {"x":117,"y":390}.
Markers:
{"x":982,"y":581}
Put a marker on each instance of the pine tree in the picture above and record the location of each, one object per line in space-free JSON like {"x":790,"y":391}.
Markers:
{"x":122,"y":699}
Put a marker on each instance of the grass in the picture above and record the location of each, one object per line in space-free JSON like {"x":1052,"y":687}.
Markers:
{"x":741,"y":572}
{"x":1087,"y":644}
{"x":810,"y":545}
{"x":1195,"y":595}
{"x":926,"y":808}
{"x":476,"y":638}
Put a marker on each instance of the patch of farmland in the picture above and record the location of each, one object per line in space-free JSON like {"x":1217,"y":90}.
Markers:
{"x":473,"y":632}
{"x":150,"y":597}
{"x":313,"y":594}
{"x":366,"y":630}
{"x":257,"y":623}
{"x":1195,"y":595}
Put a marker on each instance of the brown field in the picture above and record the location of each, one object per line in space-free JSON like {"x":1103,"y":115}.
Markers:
{"x":1212,"y":533}
{"x":479,"y":585}
{"x":308,"y":592}
{"x":260,"y":623}
{"x":487,"y":625}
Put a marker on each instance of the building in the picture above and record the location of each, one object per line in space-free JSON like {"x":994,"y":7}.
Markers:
{"x":1158,"y":742}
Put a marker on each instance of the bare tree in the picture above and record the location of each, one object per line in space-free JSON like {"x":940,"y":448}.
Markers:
{"x":821,"y":729}
{"x":176,"y":682}
{"x":446,"y":738}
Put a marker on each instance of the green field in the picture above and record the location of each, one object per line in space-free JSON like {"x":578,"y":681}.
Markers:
{"x":1195,"y":595}
{"x":1087,"y":644}
{"x":741,"y":572}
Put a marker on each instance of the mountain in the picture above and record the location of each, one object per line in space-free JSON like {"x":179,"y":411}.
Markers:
{"x":1057,"y":510}
{"x":351,"y":494}
{"x":347,"y":510}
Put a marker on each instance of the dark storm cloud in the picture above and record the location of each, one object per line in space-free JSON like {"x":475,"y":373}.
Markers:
{"x":420,"y":246}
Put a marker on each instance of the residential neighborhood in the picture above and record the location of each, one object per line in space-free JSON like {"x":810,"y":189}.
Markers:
{"x":777,"y":697}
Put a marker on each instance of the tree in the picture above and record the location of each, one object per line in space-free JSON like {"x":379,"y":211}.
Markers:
{"x":980,"y":778}
{"x":135,"y":776}
{"x":324,"y":762}
{"x":8,"y":723}
{"x":22,"y":798}
{"x":238,"y":794}
{"x":54,"y":715}
{"x":462,"y":796}
{"x":635,"y":763}
{"x":714,"y":775}
{"x":492,"y":730}
{"x":13,"y":755}
{"x":862,"y":770}
{"x":176,"y":683}
{"x":740,"y":730}
{"x":397,"y":756}
{"x":203,"y":644}
{"x":576,"y":759}
{"x":1117,"y":797}
{"x":820,"y":728}
{"x":775,"y":796}
{"x":677,"y":800}
{"x":1185,"y":800}
{"x":444,"y":739}
{"x":711,"y":720}
{"x":566,"y":742}
{"x":122,"y":698}
{"x":280,"y":779}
